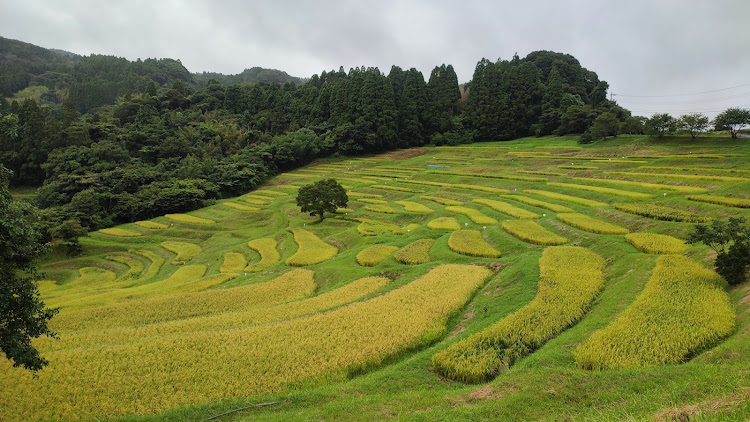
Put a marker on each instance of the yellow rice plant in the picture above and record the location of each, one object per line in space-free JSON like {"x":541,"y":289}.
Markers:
{"x":507,"y":208}
{"x":156,"y":263}
{"x":406,"y":229}
{"x":656,"y":243}
{"x":569,"y":281}
{"x":271,"y":192}
{"x":355,"y":180}
{"x":363,"y":195}
{"x":311,"y":249}
{"x":541,"y":172}
{"x":566,"y":198}
{"x":574,"y":167}
{"x":301,"y":175}
{"x":530,"y":231}
{"x":415,"y":253}
{"x":261,"y":197}
{"x":537,"y":203}
{"x":457,"y":186}
{"x":255,"y":201}
{"x":185,"y":218}
{"x":343,"y":210}
{"x":441,"y":201}
{"x":590,"y":224}
{"x":491,"y":176}
{"x":608,"y":191}
{"x":269,"y":255}
{"x":185,"y":251}
{"x":721,"y":200}
{"x":559,"y":147}
{"x":660,"y":212}
{"x":682,"y":311}
{"x":444,"y":223}
{"x":151,"y":224}
{"x":415,"y":207}
{"x":287,"y":187}
{"x":378,"y":178}
{"x":373,"y":255}
{"x":474,"y":215}
{"x":681,"y":176}
{"x":611,"y":161}
{"x":135,"y":266}
{"x":239,"y":207}
{"x":397,"y":188}
{"x":370,"y":227}
{"x":655,"y":186}
{"x":119,"y":232}
{"x":384,"y":209}
{"x":697,"y":169}
{"x":681,"y":156}
{"x":372,"y":201}
{"x":89,"y":280}
{"x":470,"y":242}
{"x":233,"y":262}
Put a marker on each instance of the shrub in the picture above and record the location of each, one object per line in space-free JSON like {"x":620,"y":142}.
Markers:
{"x":239,"y":206}
{"x":185,"y":218}
{"x":682,"y":310}
{"x":608,"y":191}
{"x":444,"y":223}
{"x":266,"y":248}
{"x":416,"y":207}
{"x":731,"y":241}
{"x":508,"y":209}
{"x":470,"y":242}
{"x":656,"y":243}
{"x":372,"y":256}
{"x":311,"y":250}
{"x":474,"y":215}
{"x":441,"y":201}
{"x":721,"y":200}
{"x":537,"y":203}
{"x":590,"y":224}
{"x":185,"y":251}
{"x":566,"y":198}
{"x":119,"y":232}
{"x":415,"y":253}
{"x":531,"y":232}
{"x":233,"y":261}
{"x":659,"y":212}
{"x":151,"y":225}
{"x":570,"y":279}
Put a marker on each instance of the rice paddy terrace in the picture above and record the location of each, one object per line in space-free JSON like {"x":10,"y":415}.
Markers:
{"x":528,"y":280}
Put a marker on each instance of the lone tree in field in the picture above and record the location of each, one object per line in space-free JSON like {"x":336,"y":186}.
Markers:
{"x":694,"y":123}
{"x":22,"y":315}
{"x":660,"y":124}
{"x":732,"y":119}
{"x":322,"y":196}
{"x":731,"y":242}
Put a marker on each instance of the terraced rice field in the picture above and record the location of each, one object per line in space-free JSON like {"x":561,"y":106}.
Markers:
{"x":549,"y":282}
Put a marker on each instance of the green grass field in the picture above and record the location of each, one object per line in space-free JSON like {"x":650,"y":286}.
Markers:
{"x":181,"y":320}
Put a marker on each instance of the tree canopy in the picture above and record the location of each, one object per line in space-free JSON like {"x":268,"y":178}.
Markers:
{"x":732,"y":119}
{"x":730,"y":240}
{"x":321,"y":197}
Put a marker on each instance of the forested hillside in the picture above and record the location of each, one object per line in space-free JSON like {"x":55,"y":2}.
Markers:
{"x":110,"y":140}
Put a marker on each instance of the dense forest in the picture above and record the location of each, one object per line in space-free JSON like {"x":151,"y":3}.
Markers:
{"x":111,"y":140}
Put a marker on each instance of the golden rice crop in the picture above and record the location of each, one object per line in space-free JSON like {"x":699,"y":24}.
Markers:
{"x":363,"y":195}
{"x":660,"y":212}
{"x":261,"y":197}
{"x":537,"y":203}
{"x":655,"y":186}
{"x":681,"y":176}
{"x":441,"y":201}
{"x":415,"y":253}
{"x":416,"y":207}
{"x":301,"y":175}
{"x":444,"y":223}
{"x":590,"y":224}
{"x":370,"y":227}
{"x":508,"y":209}
{"x":185,"y":251}
{"x":151,"y":225}
{"x":271,"y":192}
{"x":373,"y":255}
{"x":156,"y":263}
{"x":255,"y":201}
{"x":397,"y":188}
{"x":457,"y":186}
{"x":378,"y":178}
{"x":185,"y":218}
{"x":543,"y":173}
{"x":406,"y":229}
{"x":384,"y":209}
{"x":608,"y":191}
{"x":239,"y":206}
{"x":566,"y":198}
{"x":233,"y":261}
{"x":470,"y":242}
{"x":721,"y":200}
{"x":343,"y":210}
{"x":90,"y":383}
{"x":491,"y":176}
{"x":474,"y":215}
{"x":266,"y":248}
{"x":135,"y":266}
{"x":574,"y":167}
{"x":680,"y":156}
{"x":372,"y":201}
{"x":311,"y":249}
{"x":656,"y":243}
{"x":609,"y":160}
{"x":119,"y":232}
{"x":697,"y":169}
{"x":682,"y":310}
{"x":570,"y":278}
{"x":559,"y":147}
{"x":287,"y":187}
{"x":530,"y":231}
{"x":356,"y":180}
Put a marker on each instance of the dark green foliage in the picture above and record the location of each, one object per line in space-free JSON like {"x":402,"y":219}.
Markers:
{"x":68,"y":232}
{"x":321,"y":197}
{"x":606,"y":124}
{"x":22,"y":315}
{"x":730,"y":240}
{"x":633,"y":125}
{"x":660,"y":124}
{"x":694,"y":123}
{"x":732,"y":119}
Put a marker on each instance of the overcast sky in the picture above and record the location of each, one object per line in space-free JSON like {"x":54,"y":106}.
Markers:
{"x":664,"y":48}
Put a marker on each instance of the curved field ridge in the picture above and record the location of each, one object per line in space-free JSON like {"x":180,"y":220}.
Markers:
{"x":660,"y":212}
{"x":507,"y":208}
{"x":654,"y":186}
{"x":590,"y":224}
{"x":147,"y":224}
{"x":416,"y":207}
{"x":470,"y":242}
{"x":269,"y":255}
{"x":373,"y":255}
{"x":311,"y":249}
{"x":570,"y":278}
{"x":682,"y":311}
{"x":537,"y":203}
{"x":415,"y":253}
{"x":114,"y":231}
{"x":530,"y":231}
{"x":566,"y":198}
{"x":721,"y":200}
{"x":476,"y":216}
{"x":185,"y":218}
{"x":441,"y":201}
{"x":239,"y":207}
{"x":656,"y":243}
{"x":599,"y":189}
{"x":261,"y":360}
{"x":444,"y":223}
{"x":185,"y":251}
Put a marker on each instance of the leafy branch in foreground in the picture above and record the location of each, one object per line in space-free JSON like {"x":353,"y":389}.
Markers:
{"x":731,"y":241}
